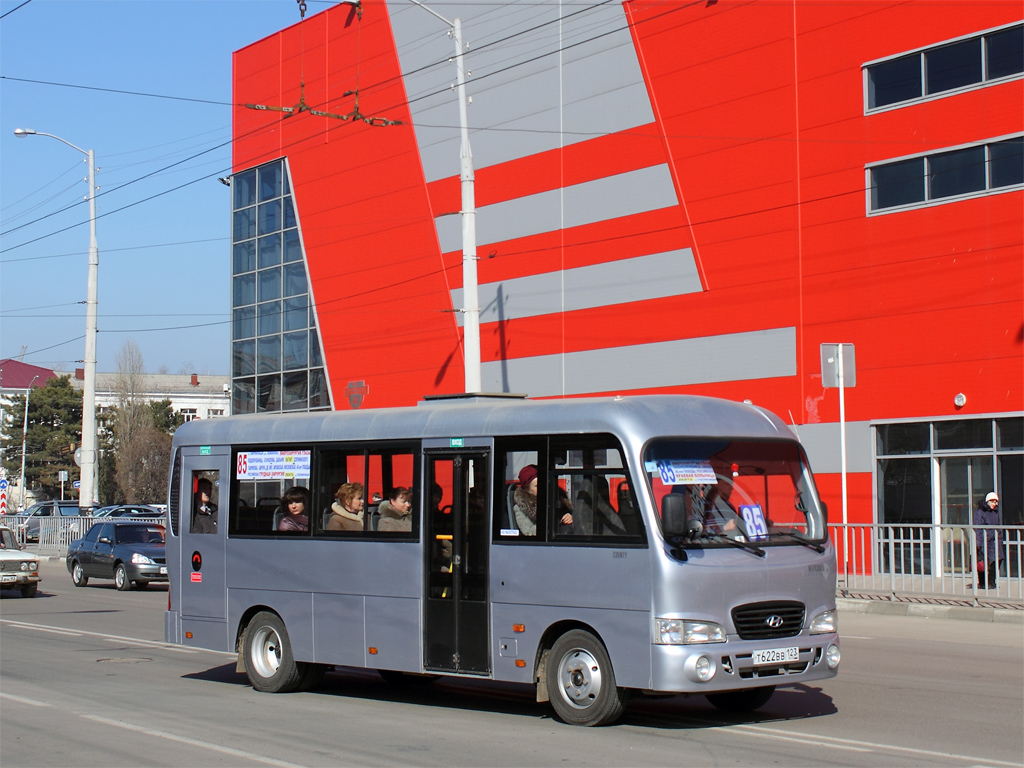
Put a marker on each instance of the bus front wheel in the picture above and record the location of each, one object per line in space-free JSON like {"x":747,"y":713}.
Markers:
{"x":267,"y":654}
{"x":581,"y":682}
{"x":742,"y":701}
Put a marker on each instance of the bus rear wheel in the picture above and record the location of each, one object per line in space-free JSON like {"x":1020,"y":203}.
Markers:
{"x":742,"y":701}
{"x":581,"y":682}
{"x":267,"y":654}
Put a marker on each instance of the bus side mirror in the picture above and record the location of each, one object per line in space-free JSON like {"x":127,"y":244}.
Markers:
{"x":674,"y":518}
{"x":824,"y":514}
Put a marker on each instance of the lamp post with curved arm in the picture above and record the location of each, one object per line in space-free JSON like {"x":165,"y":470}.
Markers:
{"x":87,"y":493}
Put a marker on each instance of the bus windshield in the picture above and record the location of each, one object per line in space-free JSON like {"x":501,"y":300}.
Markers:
{"x":738,"y":491}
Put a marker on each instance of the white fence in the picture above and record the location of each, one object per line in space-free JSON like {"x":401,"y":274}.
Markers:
{"x":937,"y":563}
{"x":56,"y":533}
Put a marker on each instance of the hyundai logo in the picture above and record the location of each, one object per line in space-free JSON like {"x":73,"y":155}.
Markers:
{"x":774,"y":621}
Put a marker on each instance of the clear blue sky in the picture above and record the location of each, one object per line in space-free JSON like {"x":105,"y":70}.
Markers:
{"x":164,"y":262}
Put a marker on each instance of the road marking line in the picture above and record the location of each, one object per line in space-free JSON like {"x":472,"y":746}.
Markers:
{"x":251,"y":756}
{"x":22,"y":700}
{"x":114,"y":638}
{"x":855,"y":637}
{"x":780,"y":737}
{"x":835,"y":741}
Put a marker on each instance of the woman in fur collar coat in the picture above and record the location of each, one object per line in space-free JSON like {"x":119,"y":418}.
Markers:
{"x":347,"y":511}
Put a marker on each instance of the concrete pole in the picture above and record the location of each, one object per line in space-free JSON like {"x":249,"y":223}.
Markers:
{"x":24,"y":438}
{"x":87,"y":493}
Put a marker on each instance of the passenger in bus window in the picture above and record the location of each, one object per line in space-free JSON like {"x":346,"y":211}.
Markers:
{"x":204,"y":514}
{"x":396,"y":512}
{"x":720,"y":515}
{"x":295,"y":502}
{"x":524,"y":501}
{"x":347,"y":510}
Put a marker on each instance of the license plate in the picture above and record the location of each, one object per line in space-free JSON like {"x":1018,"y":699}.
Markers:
{"x":776,"y":656}
{"x":163,"y":570}
{"x":8,"y":579}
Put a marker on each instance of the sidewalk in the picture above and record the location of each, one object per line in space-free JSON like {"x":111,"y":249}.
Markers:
{"x":932,"y":610}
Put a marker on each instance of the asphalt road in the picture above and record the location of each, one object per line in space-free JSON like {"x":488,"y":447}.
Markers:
{"x":86,"y":680}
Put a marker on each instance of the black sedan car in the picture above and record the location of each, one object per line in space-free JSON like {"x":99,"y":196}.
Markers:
{"x":127,"y":552}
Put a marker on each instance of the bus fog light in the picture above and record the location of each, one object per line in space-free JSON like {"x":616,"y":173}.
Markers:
{"x":700,"y":669}
{"x":832,"y":656}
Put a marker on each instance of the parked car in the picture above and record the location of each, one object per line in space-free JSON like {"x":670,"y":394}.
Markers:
{"x":28,"y":521}
{"x":127,"y":510}
{"x":130,"y":553}
{"x":18,"y":569}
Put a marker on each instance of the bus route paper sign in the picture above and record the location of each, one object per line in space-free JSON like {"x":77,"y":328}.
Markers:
{"x":273,"y":465}
{"x":683,"y":471}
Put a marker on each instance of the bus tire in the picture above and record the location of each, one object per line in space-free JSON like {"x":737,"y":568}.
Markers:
{"x":742,"y":701}
{"x":312,"y":675}
{"x":581,"y":682}
{"x":267,"y":655}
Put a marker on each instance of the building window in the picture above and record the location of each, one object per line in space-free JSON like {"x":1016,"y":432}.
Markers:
{"x":997,"y":166}
{"x":214,"y":413}
{"x":276,"y":362}
{"x":940,"y":69}
{"x":189,"y":414}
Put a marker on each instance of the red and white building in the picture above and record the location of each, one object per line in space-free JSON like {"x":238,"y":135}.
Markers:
{"x":671,"y":198}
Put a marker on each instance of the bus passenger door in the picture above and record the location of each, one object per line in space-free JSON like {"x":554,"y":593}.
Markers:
{"x":205,"y":487}
{"x":457,"y":502}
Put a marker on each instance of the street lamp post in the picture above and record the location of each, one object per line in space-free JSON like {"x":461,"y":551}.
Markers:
{"x":470,"y":293}
{"x":87,"y":493}
{"x":24,"y":438}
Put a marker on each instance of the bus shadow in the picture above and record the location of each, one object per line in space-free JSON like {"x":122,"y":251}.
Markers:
{"x":801,"y":702}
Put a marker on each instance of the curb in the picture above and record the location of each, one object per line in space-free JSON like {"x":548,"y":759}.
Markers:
{"x":928,"y":611}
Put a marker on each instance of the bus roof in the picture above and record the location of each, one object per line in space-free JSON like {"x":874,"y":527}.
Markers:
{"x":629,"y":417}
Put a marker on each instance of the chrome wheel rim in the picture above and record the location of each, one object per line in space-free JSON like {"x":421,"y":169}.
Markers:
{"x":579,"y":678}
{"x":120,"y":577}
{"x":78,"y":573}
{"x":266,"y":652}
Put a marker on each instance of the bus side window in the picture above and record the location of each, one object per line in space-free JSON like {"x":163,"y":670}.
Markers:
{"x":205,"y":495}
{"x":519,"y":502}
{"x":592,"y":495}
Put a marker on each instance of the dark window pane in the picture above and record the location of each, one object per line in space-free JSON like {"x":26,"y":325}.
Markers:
{"x":954,"y":435}
{"x":292,"y":246}
{"x":270,"y":217}
{"x":286,"y":185}
{"x":318,"y":390}
{"x":243,"y":358}
{"x":269,"y":355}
{"x":243,"y":290}
{"x":270,"y":318}
{"x":905,"y":490}
{"x":1006,"y":162}
{"x":270,"y":251}
{"x":270,"y":181}
{"x":295,"y":314}
{"x":294,"y":279}
{"x":270,"y":284}
{"x":296,"y":391}
{"x":295,"y":348}
{"x":289,"y":214}
{"x":243,"y":224}
{"x":244,"y":325}
{"x":953,"y":66}
{"x":243,"y":189}
{"x":893,"y":81}
{"x":956,"y":173}
{"x":243,"y":396}
{"x":268,"y":393}
{"x":1005,"y":52}
{"x":244,"y":256}
{"x":897,"y":439}
{"x":1011,"y":434}
{"x":314,"y":349}
{"x":897,"y":184}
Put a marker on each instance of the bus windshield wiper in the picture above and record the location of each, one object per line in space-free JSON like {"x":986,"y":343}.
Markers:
{"x":747,"y":545}
{"x":800,"y":539}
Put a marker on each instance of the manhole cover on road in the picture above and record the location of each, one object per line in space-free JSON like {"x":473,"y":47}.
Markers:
{"x":125,"y":660}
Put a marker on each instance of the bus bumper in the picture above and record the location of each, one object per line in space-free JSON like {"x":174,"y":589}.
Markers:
{"x":730,"y":666}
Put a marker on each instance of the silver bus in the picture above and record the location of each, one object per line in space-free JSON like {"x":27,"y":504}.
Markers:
{"x":592,"y":548}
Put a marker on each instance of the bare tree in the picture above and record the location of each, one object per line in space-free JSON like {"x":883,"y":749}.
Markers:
{"x":143,"y":451}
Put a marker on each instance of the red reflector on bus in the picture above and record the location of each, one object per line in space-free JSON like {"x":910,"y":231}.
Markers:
{"x":188,"y":635}
{"x":197,"y":577}
{"x":518,"y":627}
{"x":373,"y":651}
{"x":520,"y":662}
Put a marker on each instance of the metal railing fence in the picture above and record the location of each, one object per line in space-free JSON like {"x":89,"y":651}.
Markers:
{"x":933,"y":562}
{"x":56,"y":533}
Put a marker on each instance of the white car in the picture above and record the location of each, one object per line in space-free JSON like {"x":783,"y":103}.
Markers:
{"x":18,"y":569}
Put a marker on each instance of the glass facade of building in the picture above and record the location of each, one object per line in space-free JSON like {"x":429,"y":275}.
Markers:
{"x":276,"y":360}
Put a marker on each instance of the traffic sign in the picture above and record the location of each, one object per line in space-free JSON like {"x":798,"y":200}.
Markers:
{"x":3,"y":483}
{"x":76,"y":484}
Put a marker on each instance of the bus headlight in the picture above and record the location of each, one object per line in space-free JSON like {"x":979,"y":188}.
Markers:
{"x":824,"y":623}
{"x":832,"y":656}
{"x":683,"y":632}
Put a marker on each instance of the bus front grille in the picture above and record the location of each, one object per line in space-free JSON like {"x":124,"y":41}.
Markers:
{"x":765,"y":621}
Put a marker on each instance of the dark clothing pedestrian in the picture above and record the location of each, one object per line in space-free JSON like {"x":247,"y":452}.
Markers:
{"x":989,"y":541}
